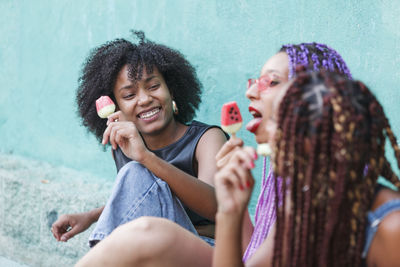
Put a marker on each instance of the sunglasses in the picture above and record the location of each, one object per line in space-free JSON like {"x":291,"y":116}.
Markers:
{"x":262,"y":83}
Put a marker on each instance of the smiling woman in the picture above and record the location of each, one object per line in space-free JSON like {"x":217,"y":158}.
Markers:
{"x":158,"y":150}
{"x":133,"y":98}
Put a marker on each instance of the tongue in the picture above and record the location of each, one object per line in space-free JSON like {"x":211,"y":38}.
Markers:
{"x":253,"y":125}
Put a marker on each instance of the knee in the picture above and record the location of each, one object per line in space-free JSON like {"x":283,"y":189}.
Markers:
{"x":151,"y":235}
{"x":140,"y":226}
{"x":148,"y":227}
{"x":135,"y":171}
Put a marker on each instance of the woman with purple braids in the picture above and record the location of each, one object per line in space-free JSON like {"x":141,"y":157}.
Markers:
{"x":150,"y":241}
{"x":313,"y":56}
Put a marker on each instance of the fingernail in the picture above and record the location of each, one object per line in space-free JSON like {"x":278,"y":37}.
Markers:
{"x":64,"y":239}
{"x":241,"y":187}
{"x":252,"y":165}
{"x":247,"y":184}
{"x":255,"y":156}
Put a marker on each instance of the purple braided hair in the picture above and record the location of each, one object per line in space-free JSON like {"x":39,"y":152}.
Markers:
{"x":314,"y":56}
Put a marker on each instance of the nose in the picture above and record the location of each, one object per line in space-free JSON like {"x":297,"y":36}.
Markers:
{"x":252,"y":92}
{"x":144,"y":97}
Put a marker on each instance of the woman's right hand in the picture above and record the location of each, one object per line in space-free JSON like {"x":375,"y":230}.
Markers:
{"x":226,"y":151}
{"x":69,"y":225}
{"x":123,"y":133}
{"x":234,"y":181}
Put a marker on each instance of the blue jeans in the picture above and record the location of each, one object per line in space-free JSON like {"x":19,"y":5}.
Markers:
{"x":138,"y":192}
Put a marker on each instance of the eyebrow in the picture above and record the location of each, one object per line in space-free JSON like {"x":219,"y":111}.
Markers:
{"x":273,"y":71}
{"x":125,"y":87}
{"x":129,"y":86}
{"x":150,"y":78}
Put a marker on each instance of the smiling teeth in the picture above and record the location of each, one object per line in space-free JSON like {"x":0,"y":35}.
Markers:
{"x":149,"y":114}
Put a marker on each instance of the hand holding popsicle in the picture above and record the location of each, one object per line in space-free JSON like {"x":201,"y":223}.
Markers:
{"x":231,"y":121}
{"x":123,"y":134}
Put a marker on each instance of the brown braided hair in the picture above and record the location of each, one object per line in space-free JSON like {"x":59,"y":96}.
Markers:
{"x":330,"y":187}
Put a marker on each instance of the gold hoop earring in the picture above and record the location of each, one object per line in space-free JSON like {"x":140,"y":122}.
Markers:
{"x":174,"y":107}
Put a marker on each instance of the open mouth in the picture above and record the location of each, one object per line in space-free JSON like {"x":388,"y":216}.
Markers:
{"x":150,"y":114}
{"x":252,"y":126}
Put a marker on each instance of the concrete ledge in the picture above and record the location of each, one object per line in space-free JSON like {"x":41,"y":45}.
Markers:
{"x":10,"y":263}
{"x":32,"y":195}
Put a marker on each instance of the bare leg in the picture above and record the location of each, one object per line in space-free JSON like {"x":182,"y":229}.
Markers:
{"x":149,"y":241}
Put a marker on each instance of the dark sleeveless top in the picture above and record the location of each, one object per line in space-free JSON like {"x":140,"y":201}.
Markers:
{"x":181,"y":154}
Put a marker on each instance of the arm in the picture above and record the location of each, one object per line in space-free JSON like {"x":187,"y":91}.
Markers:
{"x":195,"y":193}
{"x":384,"y":249}
{"x":228,"y":239}
{"x":222,"y":159}
{"x":69,"y":225}
{"x":234,"y":184}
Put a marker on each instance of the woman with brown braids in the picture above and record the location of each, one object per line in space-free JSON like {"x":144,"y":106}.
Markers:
{"x":328,"y":135}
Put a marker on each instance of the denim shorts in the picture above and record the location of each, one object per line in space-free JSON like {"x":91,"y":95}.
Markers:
{"x":138,"y":192}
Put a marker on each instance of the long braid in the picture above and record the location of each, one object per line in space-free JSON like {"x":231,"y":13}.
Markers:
{"x":296,"y":207}
{"x":281,"y":151}
{"x":347,"y":135}
{"x":292,"y":171}
{"x":387,"y":171}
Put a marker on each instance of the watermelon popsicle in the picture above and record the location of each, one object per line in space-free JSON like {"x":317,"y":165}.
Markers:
{"x":231,"y":119}
{"x":104,"y":106}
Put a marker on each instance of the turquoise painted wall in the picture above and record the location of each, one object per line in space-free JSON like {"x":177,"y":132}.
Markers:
{"x":43,"y":44}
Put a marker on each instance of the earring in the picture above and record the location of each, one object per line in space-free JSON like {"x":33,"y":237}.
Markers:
{"x":174,"y":107}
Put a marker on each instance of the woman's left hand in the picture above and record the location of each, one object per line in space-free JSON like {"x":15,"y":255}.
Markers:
{"x":234,"y":181}
{"x":124,"y":134}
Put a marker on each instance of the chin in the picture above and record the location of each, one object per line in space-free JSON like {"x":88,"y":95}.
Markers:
{"x":261,"y":139}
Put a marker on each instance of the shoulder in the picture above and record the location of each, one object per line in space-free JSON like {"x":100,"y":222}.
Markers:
{"x":201,"y":125}
{"x":390,"y":227}
{"x":211,"y":140}
{"x":208,"y":129}
{"x":391,"y":222}
{"x":213,"y":135}
{"x":387,"y":239}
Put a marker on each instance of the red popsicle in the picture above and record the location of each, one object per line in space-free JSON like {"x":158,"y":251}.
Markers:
{"x":231,"y":119}
{"x":105,"y":106}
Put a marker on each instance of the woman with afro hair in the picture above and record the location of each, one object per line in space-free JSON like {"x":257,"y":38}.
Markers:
{"x":165,"y":161}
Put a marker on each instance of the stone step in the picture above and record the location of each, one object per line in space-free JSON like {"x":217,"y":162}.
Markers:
{"x":32,"y":195}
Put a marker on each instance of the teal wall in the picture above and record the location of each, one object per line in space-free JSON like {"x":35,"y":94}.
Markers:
{"x":43,"y":44}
